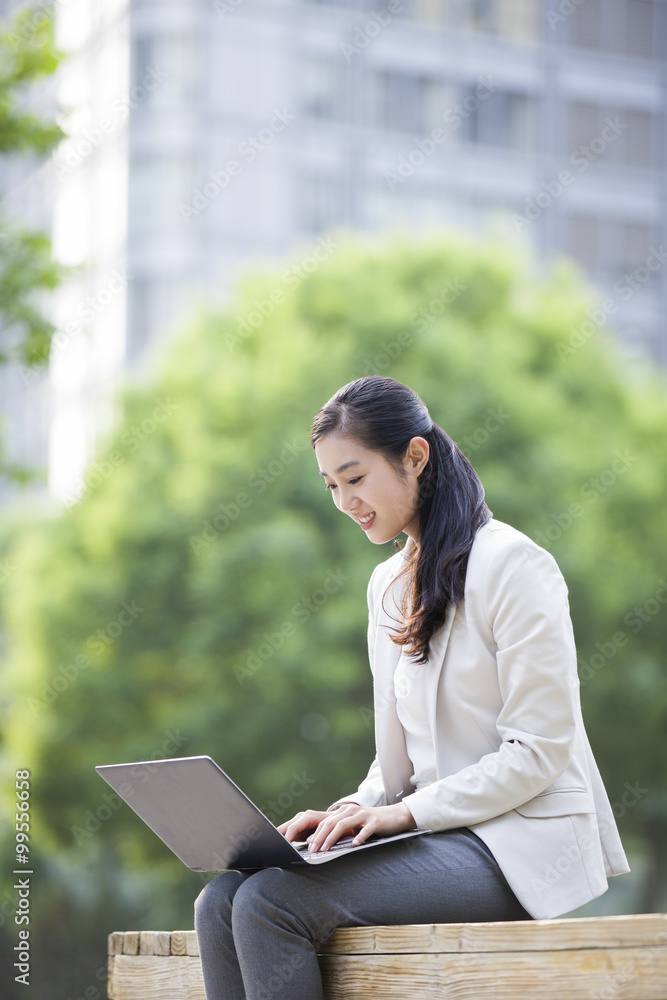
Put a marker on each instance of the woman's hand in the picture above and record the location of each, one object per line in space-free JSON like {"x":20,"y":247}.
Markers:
{"x":308,"y":820}
{"x":349,"y":818}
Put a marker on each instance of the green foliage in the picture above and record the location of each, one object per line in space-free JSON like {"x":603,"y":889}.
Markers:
{"x":27,"y":54}
{"x":214,"y":596}
{"x":27,"y":270}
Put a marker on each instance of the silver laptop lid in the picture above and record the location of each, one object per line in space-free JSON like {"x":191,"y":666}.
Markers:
{"x":200,"y":814}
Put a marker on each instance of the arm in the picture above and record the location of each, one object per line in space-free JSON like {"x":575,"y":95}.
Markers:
{"x":526,"y":606}
{"x":371,"y":791}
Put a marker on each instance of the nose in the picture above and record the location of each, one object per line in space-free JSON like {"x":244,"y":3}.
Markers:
{"x":348,"y":502}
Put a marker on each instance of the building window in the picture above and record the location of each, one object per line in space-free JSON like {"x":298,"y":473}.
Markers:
{"x":155,"y":308}
{"x":513,"y":19}
{"x":610,"y":249}
{"x":612,"y":135}
{"x":630,"y":27}
{"x":408,"y":102}
{"x":582,"y":238}
{"x":436,"y":13}
{"x":321,"y":90}
{"x":139,"y":328}
{"x":504,"y":118}
{"x":159,"y":183}
{"x":643,"y":20}
{"x":320,"y":202}
{"x":166,"y":70}
{"x":400,"y":102}
{"x":641,"y":141}
{"x":418,"y":104}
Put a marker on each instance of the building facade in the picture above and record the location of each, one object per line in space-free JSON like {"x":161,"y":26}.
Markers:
{"x":211,"y":135}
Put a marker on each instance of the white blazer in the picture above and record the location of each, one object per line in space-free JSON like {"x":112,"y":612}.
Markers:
{"x":513,"y":761}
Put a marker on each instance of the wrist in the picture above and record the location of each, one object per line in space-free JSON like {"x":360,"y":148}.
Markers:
{"x":337,"y":805}
{"x":407,"y":816}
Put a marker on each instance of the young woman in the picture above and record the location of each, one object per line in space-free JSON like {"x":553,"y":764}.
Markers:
{"x":478,"y":726}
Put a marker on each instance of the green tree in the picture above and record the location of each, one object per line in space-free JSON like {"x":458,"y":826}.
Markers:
{"x":27,"y":269}
{"x":205,"y":596}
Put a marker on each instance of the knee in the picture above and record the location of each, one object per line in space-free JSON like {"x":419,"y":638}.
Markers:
{"x":215,"y":899}
{"x":261,"y":896}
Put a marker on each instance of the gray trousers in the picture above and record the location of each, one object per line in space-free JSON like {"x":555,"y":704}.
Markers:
{"x":259,"y":932}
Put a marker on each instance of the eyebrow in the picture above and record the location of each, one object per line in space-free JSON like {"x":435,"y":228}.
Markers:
{"x":341,"y":468}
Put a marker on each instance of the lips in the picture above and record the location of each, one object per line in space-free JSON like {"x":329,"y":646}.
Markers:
{"x":366,"y":520}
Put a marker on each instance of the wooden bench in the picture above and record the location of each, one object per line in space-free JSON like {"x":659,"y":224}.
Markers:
{"x":586,"y":958}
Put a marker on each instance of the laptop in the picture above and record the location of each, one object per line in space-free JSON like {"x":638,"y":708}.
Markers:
{"x":208,"y":822}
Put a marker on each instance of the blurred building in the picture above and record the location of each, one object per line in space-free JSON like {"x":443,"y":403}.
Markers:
{"x":211,"y":135}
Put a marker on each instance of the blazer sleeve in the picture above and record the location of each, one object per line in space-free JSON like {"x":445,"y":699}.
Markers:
{"x":524,"y":600}
{"x":371,"y":790}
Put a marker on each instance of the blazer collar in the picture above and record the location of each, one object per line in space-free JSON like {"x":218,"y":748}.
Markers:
{"x":407,"y":548}
{"x":390,"y":741}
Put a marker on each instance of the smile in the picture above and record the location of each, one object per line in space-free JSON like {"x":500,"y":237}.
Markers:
{"x":366,"y":521}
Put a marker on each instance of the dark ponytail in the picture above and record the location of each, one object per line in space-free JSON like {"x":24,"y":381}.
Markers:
{"x":384,"y":415}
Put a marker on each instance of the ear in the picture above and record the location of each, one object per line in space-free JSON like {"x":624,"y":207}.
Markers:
{"x":416,"y":455}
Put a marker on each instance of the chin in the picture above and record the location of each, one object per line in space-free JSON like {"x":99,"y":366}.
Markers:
{"x":383,"y":539}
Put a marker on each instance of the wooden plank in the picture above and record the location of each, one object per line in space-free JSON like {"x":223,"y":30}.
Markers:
{"x":115,"y":943}
{"x":587,"y":974}
{"x":153,"y":977}
{"x":110,"y":964}
{"x":154,"y":943}
{"x":131,"y":943}
{"x":178,"y":942}
{"x":191,"y":943}
{"x":634,"y":931}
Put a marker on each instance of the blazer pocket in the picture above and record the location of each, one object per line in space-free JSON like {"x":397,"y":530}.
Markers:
{"x":563,"y":802}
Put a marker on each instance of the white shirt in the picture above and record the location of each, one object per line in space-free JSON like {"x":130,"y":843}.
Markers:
{"x":410,"y":687}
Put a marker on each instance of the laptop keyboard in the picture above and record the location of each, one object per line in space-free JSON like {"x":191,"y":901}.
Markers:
{"x":338,"y":846}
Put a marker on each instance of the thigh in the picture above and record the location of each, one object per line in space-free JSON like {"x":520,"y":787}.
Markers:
{"x":438,"y":878}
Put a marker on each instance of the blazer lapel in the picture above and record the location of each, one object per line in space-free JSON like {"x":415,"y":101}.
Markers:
{"x":395,"y":764}
{"x":436,"y":660}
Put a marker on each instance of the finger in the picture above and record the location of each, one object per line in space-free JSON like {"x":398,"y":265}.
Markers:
{"x":329,"y":832}
{"x":302,"y":821}
{"x":283,"y":826}
{"x":362,"y":836}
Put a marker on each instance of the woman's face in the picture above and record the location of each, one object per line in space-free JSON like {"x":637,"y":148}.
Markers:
{"x":369,"y":489}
